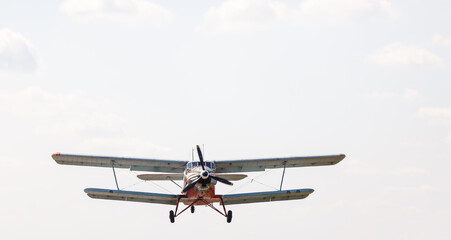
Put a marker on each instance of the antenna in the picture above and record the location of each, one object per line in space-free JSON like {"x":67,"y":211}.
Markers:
{"x":203,"y":150}
{"x":192,"y":154}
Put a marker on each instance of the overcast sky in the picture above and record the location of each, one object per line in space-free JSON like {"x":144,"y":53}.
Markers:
{"x":247,"y":78}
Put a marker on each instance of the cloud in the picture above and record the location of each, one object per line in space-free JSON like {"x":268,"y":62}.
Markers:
{"x":129,"y":13}
{"x":234,"y":16}
{"x":398,"y":54}
{"x":436,"y":116}
{"x":58,"y":114}
{"x":442,"y":41}
{"x":245,"y":15}
{"x":17,"y":54}
{"x":336,"y":11}
{"x":92,"y":125}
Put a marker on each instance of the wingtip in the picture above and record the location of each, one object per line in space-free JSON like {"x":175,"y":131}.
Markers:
{"x":308,"y":190}
{"x":56,"y":155}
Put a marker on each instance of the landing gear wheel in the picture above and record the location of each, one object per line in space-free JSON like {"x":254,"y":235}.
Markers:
{"x":192,"y":209}
{"x":229,"y":216}
{"x":171,"y":216}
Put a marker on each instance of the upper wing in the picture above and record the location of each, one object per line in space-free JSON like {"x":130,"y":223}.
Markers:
{"x":170,"y":199}
{"x":134,"y":164}
{"x":253,"y":165}
{"x":266,"y":196}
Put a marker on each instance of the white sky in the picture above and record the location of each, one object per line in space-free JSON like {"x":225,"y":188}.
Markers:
{"x":247,"y":78}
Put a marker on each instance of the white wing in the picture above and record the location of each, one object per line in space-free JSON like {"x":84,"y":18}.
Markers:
{"x":134,"y":164}
{"x":266,"y":196}
{"x":253,"y":165}
{"x":170,"y":199}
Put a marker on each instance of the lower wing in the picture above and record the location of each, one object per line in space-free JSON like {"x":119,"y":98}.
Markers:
{"x":272,"y":196}
{"x":170,"y":199}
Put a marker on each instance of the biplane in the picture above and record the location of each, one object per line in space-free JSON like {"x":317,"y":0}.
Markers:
{"x":199,"y":179}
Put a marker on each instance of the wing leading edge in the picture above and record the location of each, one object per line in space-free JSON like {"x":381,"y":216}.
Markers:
{"x":272,"y":196}
{"x":254,"y":165}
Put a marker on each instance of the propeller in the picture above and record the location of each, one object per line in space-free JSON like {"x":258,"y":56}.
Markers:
{"x":205,"y":176}
{"x":191,"y":185}
{"x":199,"y":152}
{"x":222,"y":180}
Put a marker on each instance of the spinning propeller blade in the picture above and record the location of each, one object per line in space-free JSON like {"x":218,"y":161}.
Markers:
{"x":222,"y":180}
{"x":200,"y":157}
{"x":191,"y":185}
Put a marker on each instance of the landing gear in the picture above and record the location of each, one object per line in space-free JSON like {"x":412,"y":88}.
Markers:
{"x":229,"y":216}
{"x":171,"y":216}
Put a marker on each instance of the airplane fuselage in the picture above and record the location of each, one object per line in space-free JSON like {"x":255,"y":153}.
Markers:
{"x":205,"y":186}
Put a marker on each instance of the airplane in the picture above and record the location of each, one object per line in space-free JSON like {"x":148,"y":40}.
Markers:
{"x":199,"y":179}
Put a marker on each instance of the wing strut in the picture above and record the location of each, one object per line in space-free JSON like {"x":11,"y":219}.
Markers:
{"x":175,"y":183}
{"x":283,"y":174}
{"x":114,"y":173}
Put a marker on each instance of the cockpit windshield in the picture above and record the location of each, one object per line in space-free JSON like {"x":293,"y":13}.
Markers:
{"x":210,"y":165}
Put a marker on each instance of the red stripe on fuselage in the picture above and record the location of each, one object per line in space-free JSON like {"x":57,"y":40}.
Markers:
{"x":193,"y":195}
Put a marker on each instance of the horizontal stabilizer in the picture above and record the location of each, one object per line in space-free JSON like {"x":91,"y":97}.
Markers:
{"x":120,"y":195}
{"x":160,"y":177}
{"x":231,"y":177}
{"x":255,"y":197}
{"x":179,"y":176}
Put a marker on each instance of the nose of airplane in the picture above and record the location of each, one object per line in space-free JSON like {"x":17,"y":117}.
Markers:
{"x":205,"y":174}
